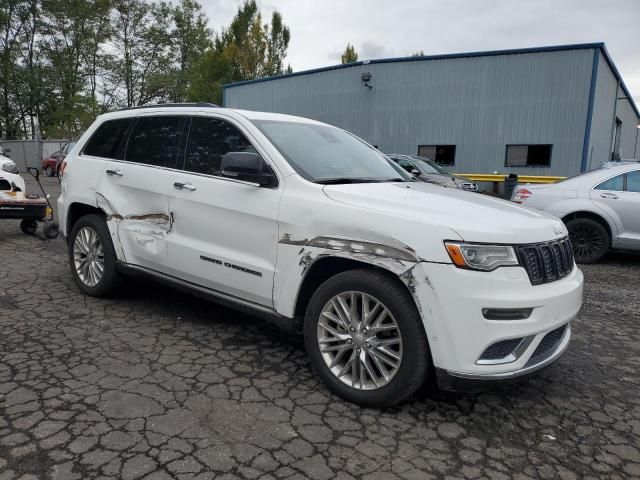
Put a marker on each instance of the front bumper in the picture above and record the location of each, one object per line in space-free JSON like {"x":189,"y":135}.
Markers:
{"x":451,"y":302}
{"x":456,"y":381}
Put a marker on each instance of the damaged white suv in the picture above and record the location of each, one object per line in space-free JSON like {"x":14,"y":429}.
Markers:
{"x":390,"y":280}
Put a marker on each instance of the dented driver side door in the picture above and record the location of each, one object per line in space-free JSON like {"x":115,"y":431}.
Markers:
{"x":135,"y":191}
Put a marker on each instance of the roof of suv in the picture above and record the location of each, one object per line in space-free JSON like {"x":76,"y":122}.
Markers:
{"x":206,"y":108}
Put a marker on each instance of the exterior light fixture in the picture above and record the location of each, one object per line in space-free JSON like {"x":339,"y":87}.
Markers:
{"x":366,"y":78}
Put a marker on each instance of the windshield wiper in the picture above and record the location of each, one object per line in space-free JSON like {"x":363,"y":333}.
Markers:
{"x":339,"y":180}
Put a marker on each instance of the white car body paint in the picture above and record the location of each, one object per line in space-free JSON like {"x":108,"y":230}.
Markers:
{"x":259,"y":243}
{"x":579,"y":194}
{"x":12,"y":178}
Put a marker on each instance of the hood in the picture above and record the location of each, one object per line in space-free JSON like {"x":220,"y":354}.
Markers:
{"x":475,"y":218}
{"x":439,"y":179}
{"x":4,"y":159}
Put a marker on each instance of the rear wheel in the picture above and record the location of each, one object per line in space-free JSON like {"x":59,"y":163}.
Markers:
{"x":365,"y":338}
{"x":92,"y":257}
{"x":29,"y":227}
{"x":589,"y":238}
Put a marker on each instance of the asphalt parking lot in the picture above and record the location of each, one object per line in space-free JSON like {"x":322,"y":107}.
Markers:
{"x":158,"y":384}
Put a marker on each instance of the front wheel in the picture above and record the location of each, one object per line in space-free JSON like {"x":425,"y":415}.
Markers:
{"x":365,"y":338}
{"x":590,"y":240}
{"x":92,"y":257}
{"x":51,"y":230}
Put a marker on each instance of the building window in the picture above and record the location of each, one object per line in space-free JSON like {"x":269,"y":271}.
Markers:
{"x":528,"y":156}
{"x":441,"y":154}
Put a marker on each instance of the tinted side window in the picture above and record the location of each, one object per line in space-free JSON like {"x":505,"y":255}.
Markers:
{"x":406,"y":164}
{"x":107,"y":138}
{"x":155,"y":141}
{"x":615,"y":184}
{"x":633,"y":181}
{"x":209,"y":140}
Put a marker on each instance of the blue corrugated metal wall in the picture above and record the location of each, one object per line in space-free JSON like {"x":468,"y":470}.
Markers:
{"x":611,"y":103}
{"x":480,"y":104}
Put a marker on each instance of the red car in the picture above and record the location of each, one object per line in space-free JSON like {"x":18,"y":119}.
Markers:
{"x":51,"y":164}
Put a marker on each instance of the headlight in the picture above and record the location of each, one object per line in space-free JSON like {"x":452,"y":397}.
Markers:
{"x":10,"y":167}
{"x":481,"y":257}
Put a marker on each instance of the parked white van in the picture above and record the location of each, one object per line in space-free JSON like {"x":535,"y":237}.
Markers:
{"x":390,"y":280}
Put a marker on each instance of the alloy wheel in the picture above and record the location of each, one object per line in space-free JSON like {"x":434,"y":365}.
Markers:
{"x":359,"y":340}
{"x":88,"y":256}
{"x":587,"y":242}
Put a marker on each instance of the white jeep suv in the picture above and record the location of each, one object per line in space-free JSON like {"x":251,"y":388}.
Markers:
{"x":389,"y":279}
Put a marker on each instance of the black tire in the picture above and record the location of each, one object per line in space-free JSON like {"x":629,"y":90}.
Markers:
{"x":51,"y":230}
{"x":416,"y":359}
{"x":110,"y":278}
{"x":29,"y":227}
{"x":590,"y":240}
{"x":49,"y":171}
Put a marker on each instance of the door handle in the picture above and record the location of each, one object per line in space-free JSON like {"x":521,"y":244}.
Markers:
{"x":117,"y":173}
{"x":184,"y":186}
{"x":609,"y":195}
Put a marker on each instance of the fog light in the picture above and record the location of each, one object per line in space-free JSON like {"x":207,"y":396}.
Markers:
{"x":506,"y":313}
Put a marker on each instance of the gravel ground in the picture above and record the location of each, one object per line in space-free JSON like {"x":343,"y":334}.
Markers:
{"x":157,"y":384}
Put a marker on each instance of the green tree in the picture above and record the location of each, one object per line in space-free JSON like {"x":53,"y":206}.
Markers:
{"x":71,"y":35}
{"x":14,"y":21}
{"x":62,"y":62}
{"x":212,"y":70}
{"x":350,"y":55}
{"x":246,"y":50}
{"x":419,"y":53}
{"x":192,"y":37}
{"x":256,"y":49}
{"x":278,"y":36}
{"x":142,"y":36}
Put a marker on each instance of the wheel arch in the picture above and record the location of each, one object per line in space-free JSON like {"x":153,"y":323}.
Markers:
{"x":592,"y":216}
{"x":325,"y":267}
{"x":76,"y":211}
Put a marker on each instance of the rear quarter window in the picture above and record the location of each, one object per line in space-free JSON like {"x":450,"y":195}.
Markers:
{"x":106,"y":140}
{"x":615,"y":184}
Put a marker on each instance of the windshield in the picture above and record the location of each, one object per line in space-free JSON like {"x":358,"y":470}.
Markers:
{"x":429,"y":165}
{"x":325,"y":154}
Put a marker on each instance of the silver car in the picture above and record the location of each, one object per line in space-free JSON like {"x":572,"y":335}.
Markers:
{"x":601,"y":208}
{"x":429,"y":171}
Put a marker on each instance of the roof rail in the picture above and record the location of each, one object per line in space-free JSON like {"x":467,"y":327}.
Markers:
{"x":163,"y":105}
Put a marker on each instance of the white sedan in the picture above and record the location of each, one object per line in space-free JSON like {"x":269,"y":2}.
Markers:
{"x":601,"y":208}
{"x":10,"y":179}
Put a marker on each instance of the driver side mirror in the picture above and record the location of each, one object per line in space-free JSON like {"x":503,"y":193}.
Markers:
{"x":414,"y":171}
{"x":248,"y":167}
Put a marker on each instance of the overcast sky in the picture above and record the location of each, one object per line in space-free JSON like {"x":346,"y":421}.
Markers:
{"x":320,"y":30}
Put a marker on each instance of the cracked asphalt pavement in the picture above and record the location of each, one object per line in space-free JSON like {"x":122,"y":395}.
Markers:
{"x":158,"y":384}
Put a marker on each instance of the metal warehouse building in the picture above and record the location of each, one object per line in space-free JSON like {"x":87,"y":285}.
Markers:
{"x":537,"y":111}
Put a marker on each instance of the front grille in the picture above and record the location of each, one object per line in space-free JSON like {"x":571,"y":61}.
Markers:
{"x":547,"y":345}
{"x":546,"y":262}
{"x":500,"y":349}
